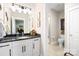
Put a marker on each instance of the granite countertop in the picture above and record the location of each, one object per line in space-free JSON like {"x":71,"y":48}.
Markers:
{"x":11,"y":38}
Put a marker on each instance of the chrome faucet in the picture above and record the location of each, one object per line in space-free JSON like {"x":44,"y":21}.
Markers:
{"x":22,"y":33}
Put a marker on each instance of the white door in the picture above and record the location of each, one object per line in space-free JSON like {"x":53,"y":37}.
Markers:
{"x":17,"y":48}
{"x":36,"y":47}
{"x":5,"y":49}
{"x":74,"y":31}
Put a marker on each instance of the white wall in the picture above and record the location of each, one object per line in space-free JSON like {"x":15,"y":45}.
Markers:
{"x":61,"y":14}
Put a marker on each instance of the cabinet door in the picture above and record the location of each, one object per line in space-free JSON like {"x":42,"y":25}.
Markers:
{"x":17,"y":48}
{"x":5,"y":49}
{"x":27,"y":47}
{"x":36,"y":47}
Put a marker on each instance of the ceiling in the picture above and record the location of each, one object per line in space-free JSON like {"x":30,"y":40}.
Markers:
{"x":56,"y":6}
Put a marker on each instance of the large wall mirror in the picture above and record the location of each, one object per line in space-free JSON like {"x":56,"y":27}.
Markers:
{"x":16,"y":22}
{"x":17,"y":25}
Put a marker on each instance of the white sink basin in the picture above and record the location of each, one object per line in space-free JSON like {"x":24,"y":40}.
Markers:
{"x":23,"y":37}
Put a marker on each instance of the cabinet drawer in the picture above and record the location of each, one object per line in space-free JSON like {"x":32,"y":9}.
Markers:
{"x":5,"y":49}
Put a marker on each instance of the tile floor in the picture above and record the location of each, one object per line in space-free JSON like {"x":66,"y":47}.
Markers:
{"x":55,"y":50}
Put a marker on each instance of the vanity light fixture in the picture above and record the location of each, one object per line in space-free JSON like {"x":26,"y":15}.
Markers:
{"x":20,"y":8}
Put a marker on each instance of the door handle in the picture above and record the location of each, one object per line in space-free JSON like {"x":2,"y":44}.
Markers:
{"x":10,"y":52}
{"x":36,"y":39}
{"x":22,"y":49}
{"x":33,"y":46}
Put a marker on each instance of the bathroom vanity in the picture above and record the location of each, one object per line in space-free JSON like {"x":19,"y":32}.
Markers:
{"x":20,"y":46}
{"x":14,"y":44}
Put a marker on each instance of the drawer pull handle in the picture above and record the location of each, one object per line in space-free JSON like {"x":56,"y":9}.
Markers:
{"x":22,"y":49}
{"x":33,"y":46}
{"x":36,"y":39}
{"x":10,"y":52}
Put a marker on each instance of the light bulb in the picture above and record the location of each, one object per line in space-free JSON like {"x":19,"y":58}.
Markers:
{"x":29,"y":11}
{"x":24,"y":10}
{"x":13,"y":8}
{"x":19,"y":10}
{"x":16,"y":8}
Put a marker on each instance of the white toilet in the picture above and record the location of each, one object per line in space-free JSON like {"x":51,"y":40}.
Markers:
{"x":61,"y":41}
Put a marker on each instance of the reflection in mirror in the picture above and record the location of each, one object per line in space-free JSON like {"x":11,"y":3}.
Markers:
{"x":19,"y":26}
